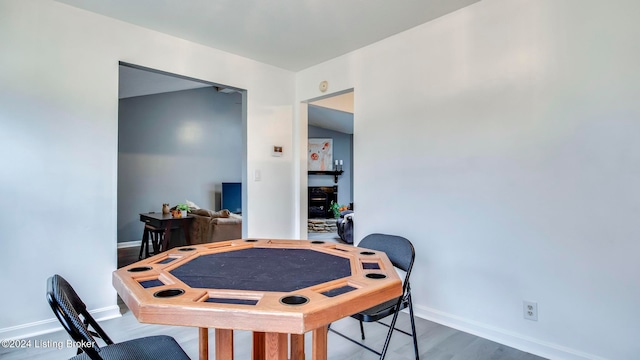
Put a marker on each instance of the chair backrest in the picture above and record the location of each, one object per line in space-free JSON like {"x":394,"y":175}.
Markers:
{"x":68,"y":307}
{"x":398,"y":249}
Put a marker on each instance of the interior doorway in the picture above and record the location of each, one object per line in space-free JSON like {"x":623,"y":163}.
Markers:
{"x":179,"y":140}
{"x":329,"y":188}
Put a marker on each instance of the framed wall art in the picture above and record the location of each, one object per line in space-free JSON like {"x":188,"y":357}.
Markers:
{"x":320,"y":154}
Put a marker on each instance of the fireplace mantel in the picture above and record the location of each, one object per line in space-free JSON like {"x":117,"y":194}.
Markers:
{"x":335,"y":174}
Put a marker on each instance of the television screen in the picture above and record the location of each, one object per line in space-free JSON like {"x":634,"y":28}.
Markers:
{"x":231,"y":197}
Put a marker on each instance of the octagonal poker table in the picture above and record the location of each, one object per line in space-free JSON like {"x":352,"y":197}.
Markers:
{"x":278,"y":289}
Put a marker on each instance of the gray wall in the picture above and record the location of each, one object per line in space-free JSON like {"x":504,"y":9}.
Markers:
{"x":173,"y":147}
{"x":342,"y":150}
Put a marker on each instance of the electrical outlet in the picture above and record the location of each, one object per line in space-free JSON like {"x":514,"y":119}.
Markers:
{"x":530,"y":309}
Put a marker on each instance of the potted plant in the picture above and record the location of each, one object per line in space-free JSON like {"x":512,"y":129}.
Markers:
{"x":183,"y":208}
{"x":337,"y":208}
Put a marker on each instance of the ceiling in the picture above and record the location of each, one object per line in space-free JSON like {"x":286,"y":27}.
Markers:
{"x":333,"y":113}
{"x":137,"y":82}
{"x":330,"y":119}
{"x":290,"y":34}
{"x":342,"y":102}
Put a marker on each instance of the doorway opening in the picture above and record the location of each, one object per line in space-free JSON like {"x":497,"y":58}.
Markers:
{"x":329,"y":167}
{"x":179,"y":140}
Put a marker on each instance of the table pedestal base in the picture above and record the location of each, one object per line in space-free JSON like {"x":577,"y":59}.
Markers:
{"x":224,"y":344}
{"x":297,"y":346}
{"x":203,"y":353}
{"x":266,"y":346}
{"x":319,"y":341}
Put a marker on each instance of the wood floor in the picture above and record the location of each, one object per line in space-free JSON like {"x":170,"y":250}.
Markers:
{"x":435,"y":342}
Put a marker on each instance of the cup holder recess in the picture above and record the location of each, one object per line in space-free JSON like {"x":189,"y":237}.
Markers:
{"x":376,"y":276}
{"x":294,"y":300}
{"x":140,"y":269}
{"x":168,"y":293}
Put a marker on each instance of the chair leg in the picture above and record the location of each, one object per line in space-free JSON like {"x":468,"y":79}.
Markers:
{"x":141,"y":250}
{"x":145,"y":241}
{"x":391,"y":327}
{"x":146,"y":253}
{"x":413,"y":327}
{"x":159,"y":243}
{"x":362,"y":329}
{"x":155,"y":242}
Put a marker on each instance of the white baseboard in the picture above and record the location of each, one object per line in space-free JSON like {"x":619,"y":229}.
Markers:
{"x":128,"y":244}
{"x":528,"y":344}
{"x":51,"y":325}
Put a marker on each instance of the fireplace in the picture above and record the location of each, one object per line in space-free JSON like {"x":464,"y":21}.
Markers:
{"x":320,"y":198}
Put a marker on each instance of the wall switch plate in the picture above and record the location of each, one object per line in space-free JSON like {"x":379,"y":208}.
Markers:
{"x":530,"y":310}
{"x":257,"y":175}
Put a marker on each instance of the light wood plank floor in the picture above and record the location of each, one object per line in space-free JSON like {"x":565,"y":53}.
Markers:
{"x":435,"y":341}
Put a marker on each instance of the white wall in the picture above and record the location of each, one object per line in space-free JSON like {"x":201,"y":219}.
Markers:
{"x":58,"y":126}
{"x":511,"y":126}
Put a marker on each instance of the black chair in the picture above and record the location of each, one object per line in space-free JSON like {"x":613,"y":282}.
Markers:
{"x":68,"y":307}
{"x":401,"y":253}
{"x":345,"y":226}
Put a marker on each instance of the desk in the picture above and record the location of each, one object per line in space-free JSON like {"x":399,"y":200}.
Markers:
{"x":167,"y":222}
{"x":230,"y":286}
